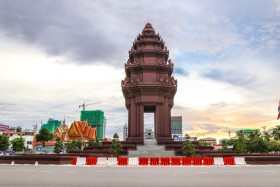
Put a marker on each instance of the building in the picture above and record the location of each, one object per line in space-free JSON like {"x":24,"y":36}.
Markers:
{"x":27,"y":135}
{"x":95,"y":119}
{"x":125,"y":132}
{"x":3,"y":128}
{"x":78,"y":130}
{"x":176,"y":127}
{"x":208,"y":141}
{"x":51,"y":125}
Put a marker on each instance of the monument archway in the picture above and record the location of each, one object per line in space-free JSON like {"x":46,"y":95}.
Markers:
{"x":149,"y":86}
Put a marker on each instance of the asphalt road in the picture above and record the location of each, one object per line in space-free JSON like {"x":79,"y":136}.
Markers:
{"x":225,"y":176}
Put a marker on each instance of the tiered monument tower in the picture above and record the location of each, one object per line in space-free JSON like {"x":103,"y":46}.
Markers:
{"x":149,"y":86}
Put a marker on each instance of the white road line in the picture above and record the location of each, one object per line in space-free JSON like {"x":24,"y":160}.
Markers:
{"x":15,"y":170}
{"x":45,"y":171}
{"x":246,"y":171}
{"x":201,"y":172}
{"x":71,"y":172}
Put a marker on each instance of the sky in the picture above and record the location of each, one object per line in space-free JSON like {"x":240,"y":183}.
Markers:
{"x":54,"y":55}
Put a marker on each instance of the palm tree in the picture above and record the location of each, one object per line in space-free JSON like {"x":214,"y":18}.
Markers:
{"x":276,"y":133}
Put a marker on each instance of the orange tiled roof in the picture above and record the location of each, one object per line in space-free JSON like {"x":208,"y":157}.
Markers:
{"x":11,"y":132}
{"x":47,"y":144}
{"x":107,"y":140}
{"x":81,"y":130}
{"x":77,"y":130}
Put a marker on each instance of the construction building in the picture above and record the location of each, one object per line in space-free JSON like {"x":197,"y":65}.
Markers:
{"x":95,"y":119}
{"x":247,"y":131}
{"x":51,"y":125}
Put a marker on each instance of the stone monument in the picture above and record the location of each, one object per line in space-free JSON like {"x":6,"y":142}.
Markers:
{"x":149,"y":86}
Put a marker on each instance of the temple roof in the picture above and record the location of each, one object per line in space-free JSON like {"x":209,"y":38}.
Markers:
{"x":81,"y":130}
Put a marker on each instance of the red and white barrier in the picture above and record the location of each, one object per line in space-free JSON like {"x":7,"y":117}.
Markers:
{"x":122,"y":161}
{"x":112,"y":161}
{"x":155,"y":161}
{"x":218,"y":161}
{"x":81,"y":161}
{"x":102,"y":161}
{"x":239,"y":161}
{"x":133,"y":161}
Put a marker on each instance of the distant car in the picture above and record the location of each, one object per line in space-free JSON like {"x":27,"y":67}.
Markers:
{"x":1,"y":153}
{"x":9,"y":152}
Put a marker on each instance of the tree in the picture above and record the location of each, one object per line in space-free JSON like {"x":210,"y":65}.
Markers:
{"x":79,"y":144}
{"x":252,"y":135}
{"x":241,"y":144}
{"x":224,"y":145}
{"x":187,"y":137}
{"x":116,"y":136}
{"x":71,"y":146}
{"x":276,"y":133}
{"x":91,"y":142}
{"x":94,"y":143}
{"x":44,"y":136}
{"x":115,"y":147}
{"x":58,"y":147}
{"x":267,"y":136}
{"x":19,"y":129}
{"x":257,"y":145}
{"x":188,"y":148}
{"x":18,"y":144}
{"x":4,"y":142}
{"x":274,"y":145}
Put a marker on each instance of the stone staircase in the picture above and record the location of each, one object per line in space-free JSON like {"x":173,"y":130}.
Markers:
{"x":150,"y":149}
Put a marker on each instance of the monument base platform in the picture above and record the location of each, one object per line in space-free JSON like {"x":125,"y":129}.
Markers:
{"x":151,"y":149}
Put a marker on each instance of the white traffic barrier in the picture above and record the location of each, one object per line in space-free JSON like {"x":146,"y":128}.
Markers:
{"x":218,"y":161}
{"x":112,"y":161}
{"x":133,"y":161}
{"x":13,"y":163}
{"x":239,"y":160}
{"x":36,"y":163}
{"x":81,"y":161}
{"x":101,"y":161}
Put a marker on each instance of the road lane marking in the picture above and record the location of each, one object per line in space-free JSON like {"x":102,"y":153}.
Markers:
{"x":246,"y":171}
{"x":71,"y":172}
{"x":45,"y":171}
{"x":16,"y":170}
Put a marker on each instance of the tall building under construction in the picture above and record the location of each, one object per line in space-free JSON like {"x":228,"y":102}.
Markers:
{"x":51,"y":125}
{"x":95,"y":119}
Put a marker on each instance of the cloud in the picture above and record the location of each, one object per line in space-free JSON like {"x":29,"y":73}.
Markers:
{"x":58,"y":27}
{"x":210,"y":130}
{"x":236,"y":78}
{"x":180,"y":71}
{"x":225,"y":56}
